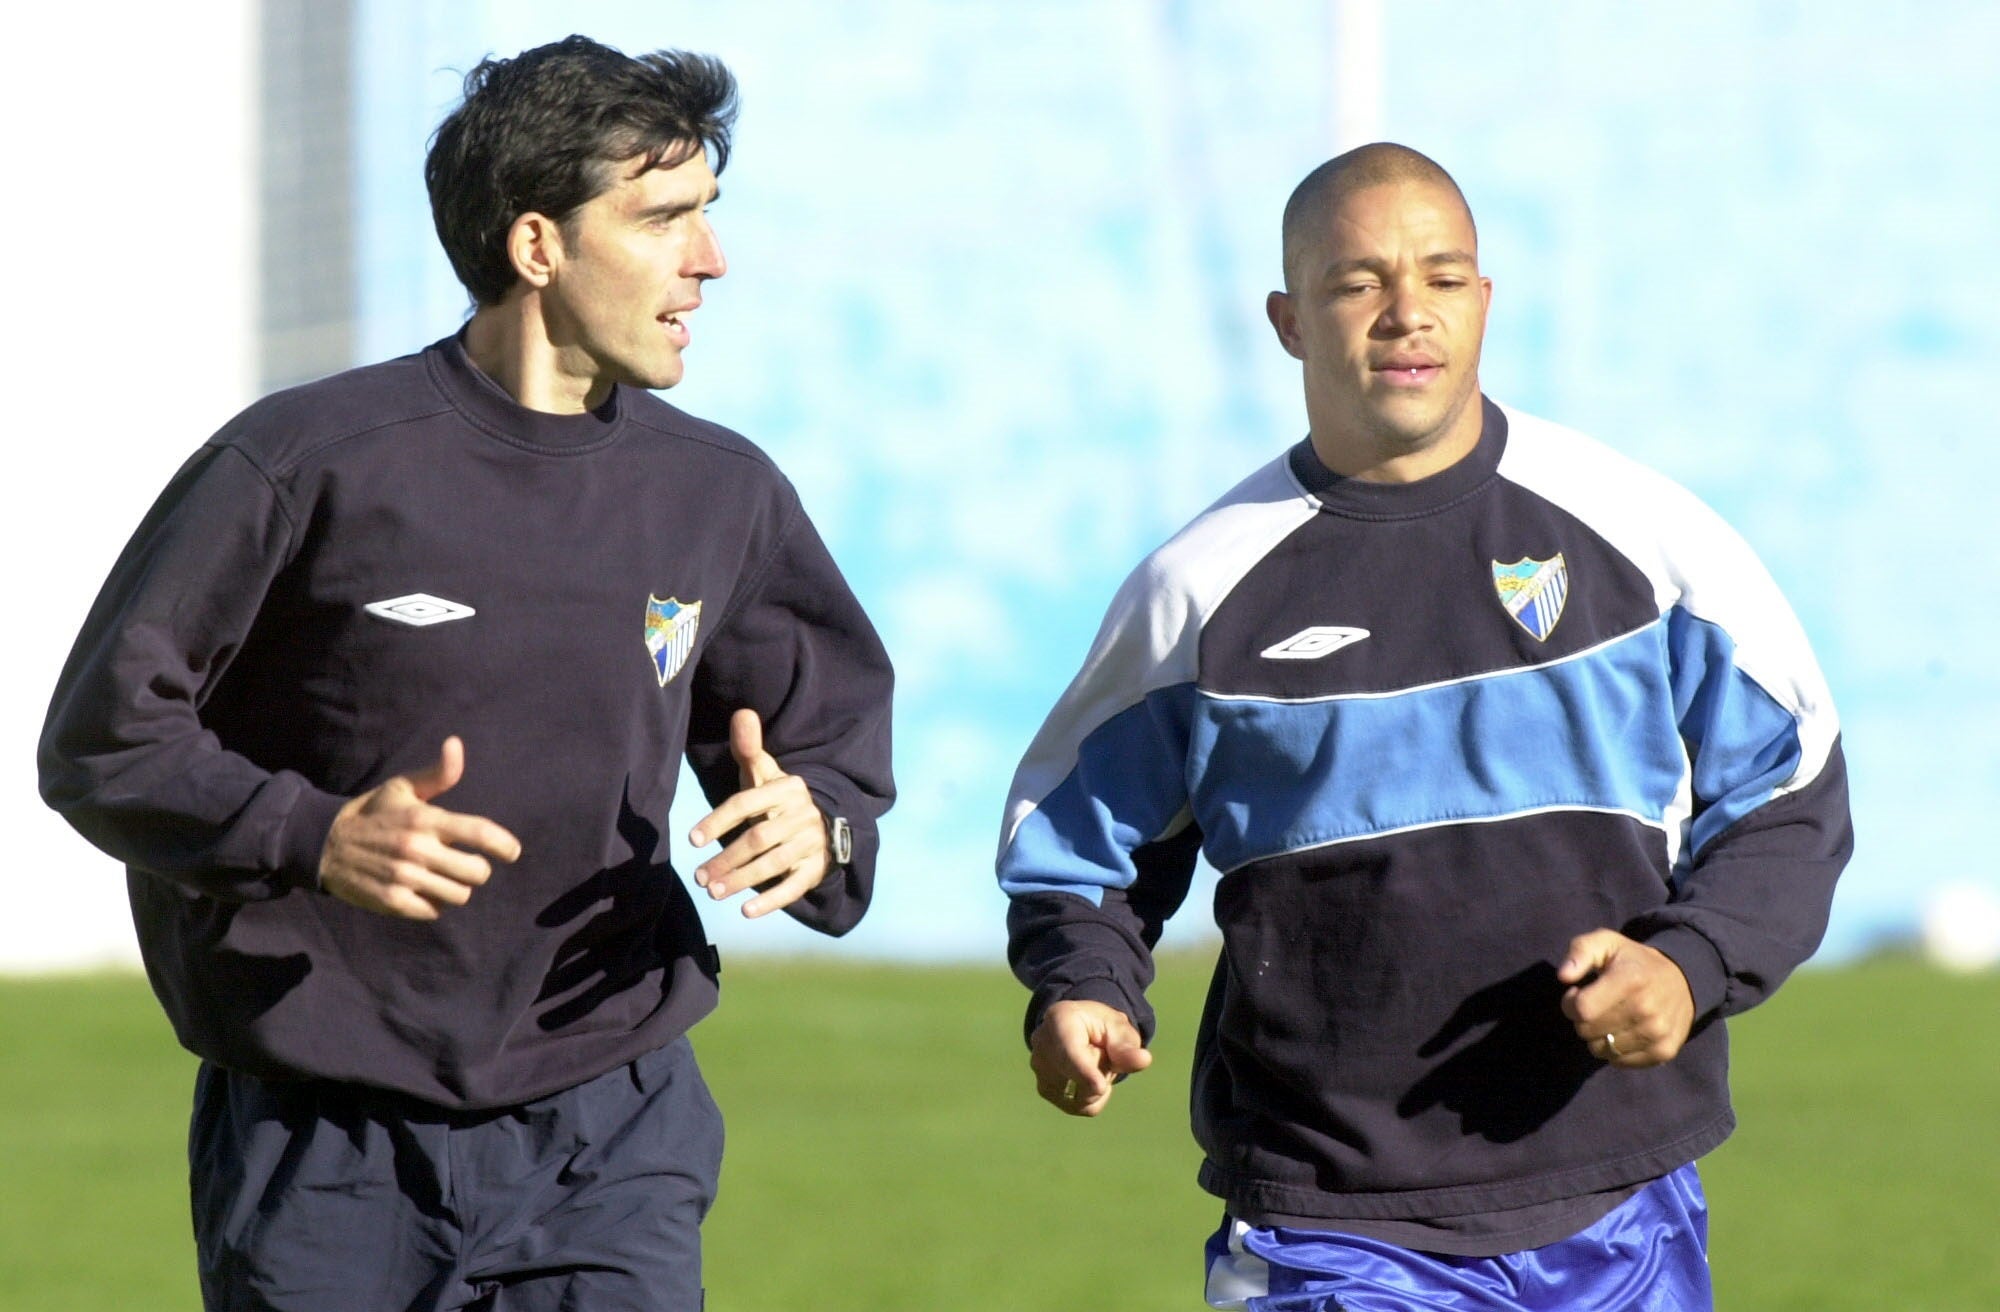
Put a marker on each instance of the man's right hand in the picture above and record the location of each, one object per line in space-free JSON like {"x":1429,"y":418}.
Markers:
{"x":1079,"y":1049}
{"x":391,"y":852}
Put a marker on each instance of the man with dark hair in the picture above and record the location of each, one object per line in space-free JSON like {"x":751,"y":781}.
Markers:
{"x":444,"y":1053}
{"x":1520,"y":777}
{"x":516,"y":143}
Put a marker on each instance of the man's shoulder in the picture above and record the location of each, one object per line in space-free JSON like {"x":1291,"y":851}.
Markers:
{"x":1233,"y":532}
{"x":1543,"y":452}
{"x":669,"y":422}
{"x":1651,"y":519}
{"x":287,"y":427}
{"x":1180,"y":583}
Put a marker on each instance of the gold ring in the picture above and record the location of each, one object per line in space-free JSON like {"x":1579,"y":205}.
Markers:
{"x":1611,"y":1044}
{"x":1069,"y":1090}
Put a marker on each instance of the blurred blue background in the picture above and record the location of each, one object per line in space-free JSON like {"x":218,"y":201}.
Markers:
{"x":995,"y":303}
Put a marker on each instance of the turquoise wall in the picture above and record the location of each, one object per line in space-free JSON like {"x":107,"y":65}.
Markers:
{"x":995,"y":302}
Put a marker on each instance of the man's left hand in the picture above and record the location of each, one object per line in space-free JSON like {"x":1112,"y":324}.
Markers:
{"x":1629,"y":1003}
{"x":783,"y":852}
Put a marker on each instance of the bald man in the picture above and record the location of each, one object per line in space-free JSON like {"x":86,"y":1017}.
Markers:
{"x":1520,"y":777}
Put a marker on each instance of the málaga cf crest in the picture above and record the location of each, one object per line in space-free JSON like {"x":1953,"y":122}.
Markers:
{"x":1533,"y":591}
{"x":670,"y":630}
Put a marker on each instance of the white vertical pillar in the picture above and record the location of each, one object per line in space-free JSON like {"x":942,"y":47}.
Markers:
{"x":1356,"y":73}
{"x":133,"y":294}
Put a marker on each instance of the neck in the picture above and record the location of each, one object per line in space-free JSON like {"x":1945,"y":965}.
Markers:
{"x":1375,"y":457}
{"x":509,"y":343}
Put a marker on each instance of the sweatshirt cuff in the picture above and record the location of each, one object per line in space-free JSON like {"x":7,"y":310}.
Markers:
{"x":840,"y":900}
{"x":1098,"y":988}
{"x":1700,"y":963}
{"x":303,"y":842}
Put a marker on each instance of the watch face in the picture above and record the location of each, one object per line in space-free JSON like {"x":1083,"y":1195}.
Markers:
{"x":840,"y":838}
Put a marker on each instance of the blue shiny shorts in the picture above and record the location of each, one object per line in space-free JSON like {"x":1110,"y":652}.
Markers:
{"x":1648,"y":1254}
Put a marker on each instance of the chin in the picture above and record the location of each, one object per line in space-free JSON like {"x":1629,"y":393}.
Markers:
{"x":1408,"y":431}
{"x":1420,"y":425}
{"x":655,"y":377}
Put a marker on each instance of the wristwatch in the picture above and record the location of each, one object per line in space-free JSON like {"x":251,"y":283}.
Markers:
{"x":839,"y":839}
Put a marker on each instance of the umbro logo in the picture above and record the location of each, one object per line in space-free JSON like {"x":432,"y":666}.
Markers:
{"x":1313,"y":643}
{"x":419,"y":609}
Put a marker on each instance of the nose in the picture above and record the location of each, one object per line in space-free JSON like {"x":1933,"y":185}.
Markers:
{"x":1407,"y":309}
{"x":704,"y":254}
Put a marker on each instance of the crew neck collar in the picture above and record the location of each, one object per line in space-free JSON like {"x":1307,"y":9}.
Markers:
{"x":1343,"y":495}
{"x":490,"y":407}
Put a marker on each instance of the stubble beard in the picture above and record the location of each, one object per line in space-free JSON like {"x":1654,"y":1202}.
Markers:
{"x":1397,"y":436}
{"x":637,"y":367}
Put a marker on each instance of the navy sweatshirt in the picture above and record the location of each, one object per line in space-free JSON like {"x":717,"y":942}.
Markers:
{"x":1428,"y":733}
{"x":352,"y":570}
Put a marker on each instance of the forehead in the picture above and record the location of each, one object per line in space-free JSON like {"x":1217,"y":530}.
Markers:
{"x":636,"y":187}
{"x":1386,"y":219}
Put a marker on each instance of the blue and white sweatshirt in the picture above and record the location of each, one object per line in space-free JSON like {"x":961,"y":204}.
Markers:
{"x":1428,"y":733}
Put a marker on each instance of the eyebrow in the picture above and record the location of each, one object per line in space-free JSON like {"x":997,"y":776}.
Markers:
{"x":673,"y":209}
{"x":1431,"y":261}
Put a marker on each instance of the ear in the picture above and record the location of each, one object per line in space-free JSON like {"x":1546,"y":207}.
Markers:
{"x":534,"y":247}
{"x":1278,"y":307}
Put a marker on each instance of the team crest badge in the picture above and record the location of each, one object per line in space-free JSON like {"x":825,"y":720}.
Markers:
{"x":670,"y":630}
{"x":1533,"y":591}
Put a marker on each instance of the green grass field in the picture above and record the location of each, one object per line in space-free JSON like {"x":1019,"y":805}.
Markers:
{"x":886,"y":1151}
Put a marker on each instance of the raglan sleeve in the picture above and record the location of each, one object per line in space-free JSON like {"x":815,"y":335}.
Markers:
{"x":797,"y":648}
{"x":1768,"y":828}
{"x":1098,"y":844}
{"x":124,"y":756}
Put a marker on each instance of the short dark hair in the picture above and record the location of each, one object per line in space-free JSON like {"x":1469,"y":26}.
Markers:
{"x":1364,"y":166}
{"x":541,"y":133}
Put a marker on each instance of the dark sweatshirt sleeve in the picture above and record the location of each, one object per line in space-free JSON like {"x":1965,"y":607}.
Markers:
{"x":1769,"y":826}
{"x":1098,"y":846}
{"x":797,"y":649}
{"x":1064,"y":947}
{"x":124,"y":756}
{"x":1755,"y":904}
